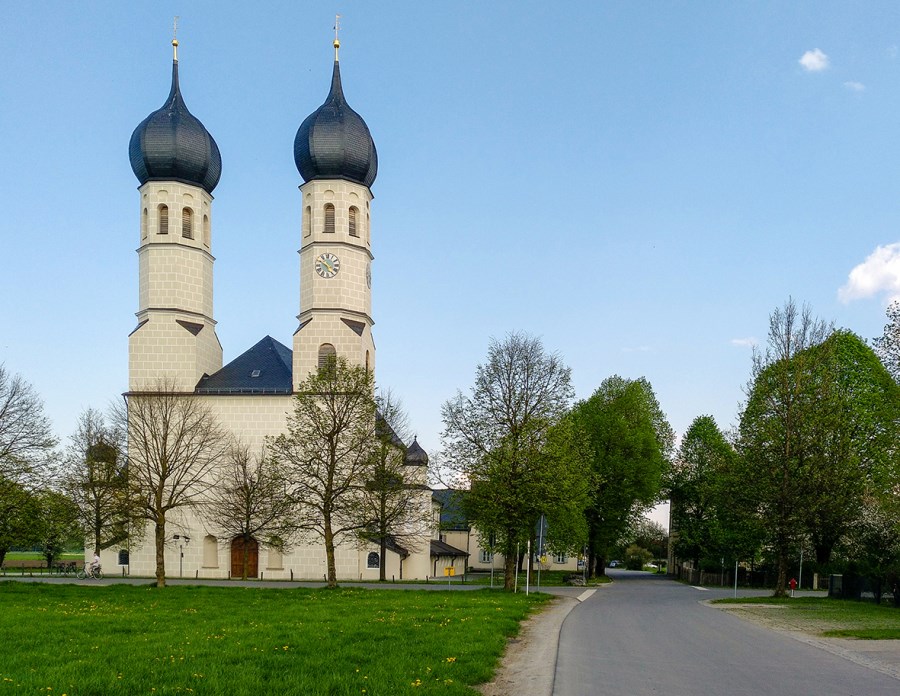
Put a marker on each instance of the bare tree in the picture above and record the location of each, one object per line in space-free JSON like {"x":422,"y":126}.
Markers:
{"x":96,"y":480}
{"x":252,"y":501}
{"x":25,"y":433}
{"x":327,"y":451}
{"x":393,"y":506}
{"x":887,"y":346}
{"x":174,"y":449}
{"x":499,"y":440}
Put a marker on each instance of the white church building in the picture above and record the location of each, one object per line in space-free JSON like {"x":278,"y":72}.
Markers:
{"x":178,"y":165}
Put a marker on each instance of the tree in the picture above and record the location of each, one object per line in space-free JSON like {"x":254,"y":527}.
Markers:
{"x":777,"y":429}
{"x":627,"y":442}
{"x":393,"y":506}
{"x":97,"y":481}
{"x":58,"y":525}
{"x":174,"y":448}
{"x":499,"y":439}
{"x":25,"y":433}
{"x":695,"y":492}
{"x":18,"y":512}
{"x":887,"y":346}
{"x":327,"y":452}
{"x":252,"y":500}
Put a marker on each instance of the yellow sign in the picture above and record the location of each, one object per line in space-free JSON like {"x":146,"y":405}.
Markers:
{"x":450,"y":571}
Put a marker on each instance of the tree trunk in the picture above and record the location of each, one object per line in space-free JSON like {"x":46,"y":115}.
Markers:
{"x":509,"y":571}
{"x":329,"y":555}
{"x":382,"y":563}
{"x":160,"y":539}
{"x":781,"y":580}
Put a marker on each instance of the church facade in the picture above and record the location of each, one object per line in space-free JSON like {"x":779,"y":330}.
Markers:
{"x":178,"y":165}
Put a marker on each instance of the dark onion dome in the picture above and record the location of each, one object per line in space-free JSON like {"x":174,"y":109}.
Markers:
{"x":172,"y":145}
{"x":415,"y":455}
{"x":334,"y":142}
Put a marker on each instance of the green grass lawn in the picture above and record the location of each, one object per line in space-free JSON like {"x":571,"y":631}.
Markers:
{"x":837,"y":618}
{"x":37,"y":556}
{"x":120,"y":639}
{"x":549,"y":578}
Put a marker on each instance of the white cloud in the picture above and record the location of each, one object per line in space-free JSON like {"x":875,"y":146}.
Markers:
{"x":879,"y":273}
{"x":814,"y":61}
{"x":855,"y":86}
{"x":748,"y":342}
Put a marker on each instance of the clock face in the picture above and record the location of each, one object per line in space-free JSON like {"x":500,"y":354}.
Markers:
{"x":327,"y":265}
{"x":369,"y":275}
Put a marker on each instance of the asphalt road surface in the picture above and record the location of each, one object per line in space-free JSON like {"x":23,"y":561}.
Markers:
{"x":646,"y":634}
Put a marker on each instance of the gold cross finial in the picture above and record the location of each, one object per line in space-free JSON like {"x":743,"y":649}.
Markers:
{"x":175,"y":38}
{"x":337,"y":43}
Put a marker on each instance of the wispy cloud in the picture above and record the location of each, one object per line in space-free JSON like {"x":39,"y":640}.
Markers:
{"x":878,"y":274}
{"x":748,"y":342}
{"x":814,"y":61}
{"x":855,"y":86}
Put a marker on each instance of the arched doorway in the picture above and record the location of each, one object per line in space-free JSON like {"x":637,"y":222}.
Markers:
{"x":237,"y":558}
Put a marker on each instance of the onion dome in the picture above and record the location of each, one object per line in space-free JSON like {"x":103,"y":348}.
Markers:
{"x":415,"y":455}
{"x":172,"y":145}
{"x":334,"y":142}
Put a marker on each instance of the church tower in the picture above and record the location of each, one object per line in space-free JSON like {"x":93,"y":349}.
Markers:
{"x":336,"y":157}
{"x":178,"y":165}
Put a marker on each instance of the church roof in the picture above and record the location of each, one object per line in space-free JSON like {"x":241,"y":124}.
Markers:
{"x":334,"y":142}
{"x":172,"y":145}
{"x":264,"y":369}
{"x":452,"y":516}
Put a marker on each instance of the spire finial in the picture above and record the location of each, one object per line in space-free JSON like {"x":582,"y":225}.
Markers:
{"x":175,"y":39}
{"x":337,"y":42}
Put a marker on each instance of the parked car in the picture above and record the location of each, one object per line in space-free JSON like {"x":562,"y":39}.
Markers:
{"x":615,"y":564}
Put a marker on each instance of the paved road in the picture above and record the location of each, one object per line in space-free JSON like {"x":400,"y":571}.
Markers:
{"x":649,"y":635}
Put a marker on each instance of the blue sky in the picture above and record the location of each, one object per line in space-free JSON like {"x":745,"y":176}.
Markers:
{"x":640,"y":183}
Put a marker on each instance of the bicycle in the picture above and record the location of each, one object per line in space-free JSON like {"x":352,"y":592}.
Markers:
{"x":89,"y":572}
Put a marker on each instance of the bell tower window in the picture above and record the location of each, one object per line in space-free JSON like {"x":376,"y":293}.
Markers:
{"x":327,"y":356}
{"x":329,"y":218}
{"x":206,"y":231}
{"x":144,"y":224}
{"x":164,"y":219}
{"x":307,"y":222}
{"x":187,"y":223}
{"x":354,"y":213}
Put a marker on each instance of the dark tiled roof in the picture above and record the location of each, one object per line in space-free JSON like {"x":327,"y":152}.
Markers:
{"x":334,"y":142}
{"x":442,"y":548}
{"x":269,"y":360}
{"x":452,"y":516}
{"x":172,"y":145}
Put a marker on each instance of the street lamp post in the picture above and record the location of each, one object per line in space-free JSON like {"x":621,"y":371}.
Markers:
{"x":185,"y":539}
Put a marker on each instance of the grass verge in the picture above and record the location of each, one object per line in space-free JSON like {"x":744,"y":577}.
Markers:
{"x":836,"y":618}
{"x":119,"y":639}
{"x":549,"y":578}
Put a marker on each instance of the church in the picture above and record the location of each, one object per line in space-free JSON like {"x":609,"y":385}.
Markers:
{"x":178,"y":165}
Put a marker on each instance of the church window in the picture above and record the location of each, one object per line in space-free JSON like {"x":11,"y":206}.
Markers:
{"x":327,"y":355}
{"x":164,"y":219}
{"x":210,"y":551}
{"x":206,"y":231}
{"x":144,"y":224}
{"x":367,"y":361}
{"x":276,"y":553}
{"x":560,"y":558}
{"x":329,"y":218}
{"x":373,"y":560}
{"x":485,"y":556}
{"x":307,"y":222}
{"x":368,"y":239}
{"x":187,"y":223}
{"x":353,"y":215}
{"x":123,"y":557}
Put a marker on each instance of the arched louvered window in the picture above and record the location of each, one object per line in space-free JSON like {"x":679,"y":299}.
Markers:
{"x":307,"y":222}
{"x":354,"y":214}
{"x":187,"y":223}
{"x":164,"y":219}
{"x":144,"y":224}
{"x":368,"y":239}
{"x":327,"y":355}
{"x":367,"y":361}
{"x":206,"y":234}
{"x":329,"y":218}
{"x":210,"y":551}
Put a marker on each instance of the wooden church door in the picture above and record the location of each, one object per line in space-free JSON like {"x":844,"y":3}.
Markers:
{"x":237,"y":558}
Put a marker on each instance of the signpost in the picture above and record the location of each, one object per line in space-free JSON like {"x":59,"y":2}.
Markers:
{"x":449,"y":571}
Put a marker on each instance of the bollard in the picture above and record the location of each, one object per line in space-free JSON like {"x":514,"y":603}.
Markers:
{"x":292,"y":575}
{"x":197,"y":574}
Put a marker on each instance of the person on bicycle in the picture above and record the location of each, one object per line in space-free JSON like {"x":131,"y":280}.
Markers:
{"x":95,"y":564}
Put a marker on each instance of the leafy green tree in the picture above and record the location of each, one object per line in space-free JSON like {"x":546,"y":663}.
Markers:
{"x":500,"y":438}
{"x":26,"y":437}
{"x":58,"y":524}
{"x":18,"y":512}
{"x":887,"y":346}
{"x":626,"y":441}
{"x":327,"y":453}
{"x":777,"y":430}
{"x":873,"y":542}
{"x":695,"y":491}
{"x":636,"y":557}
